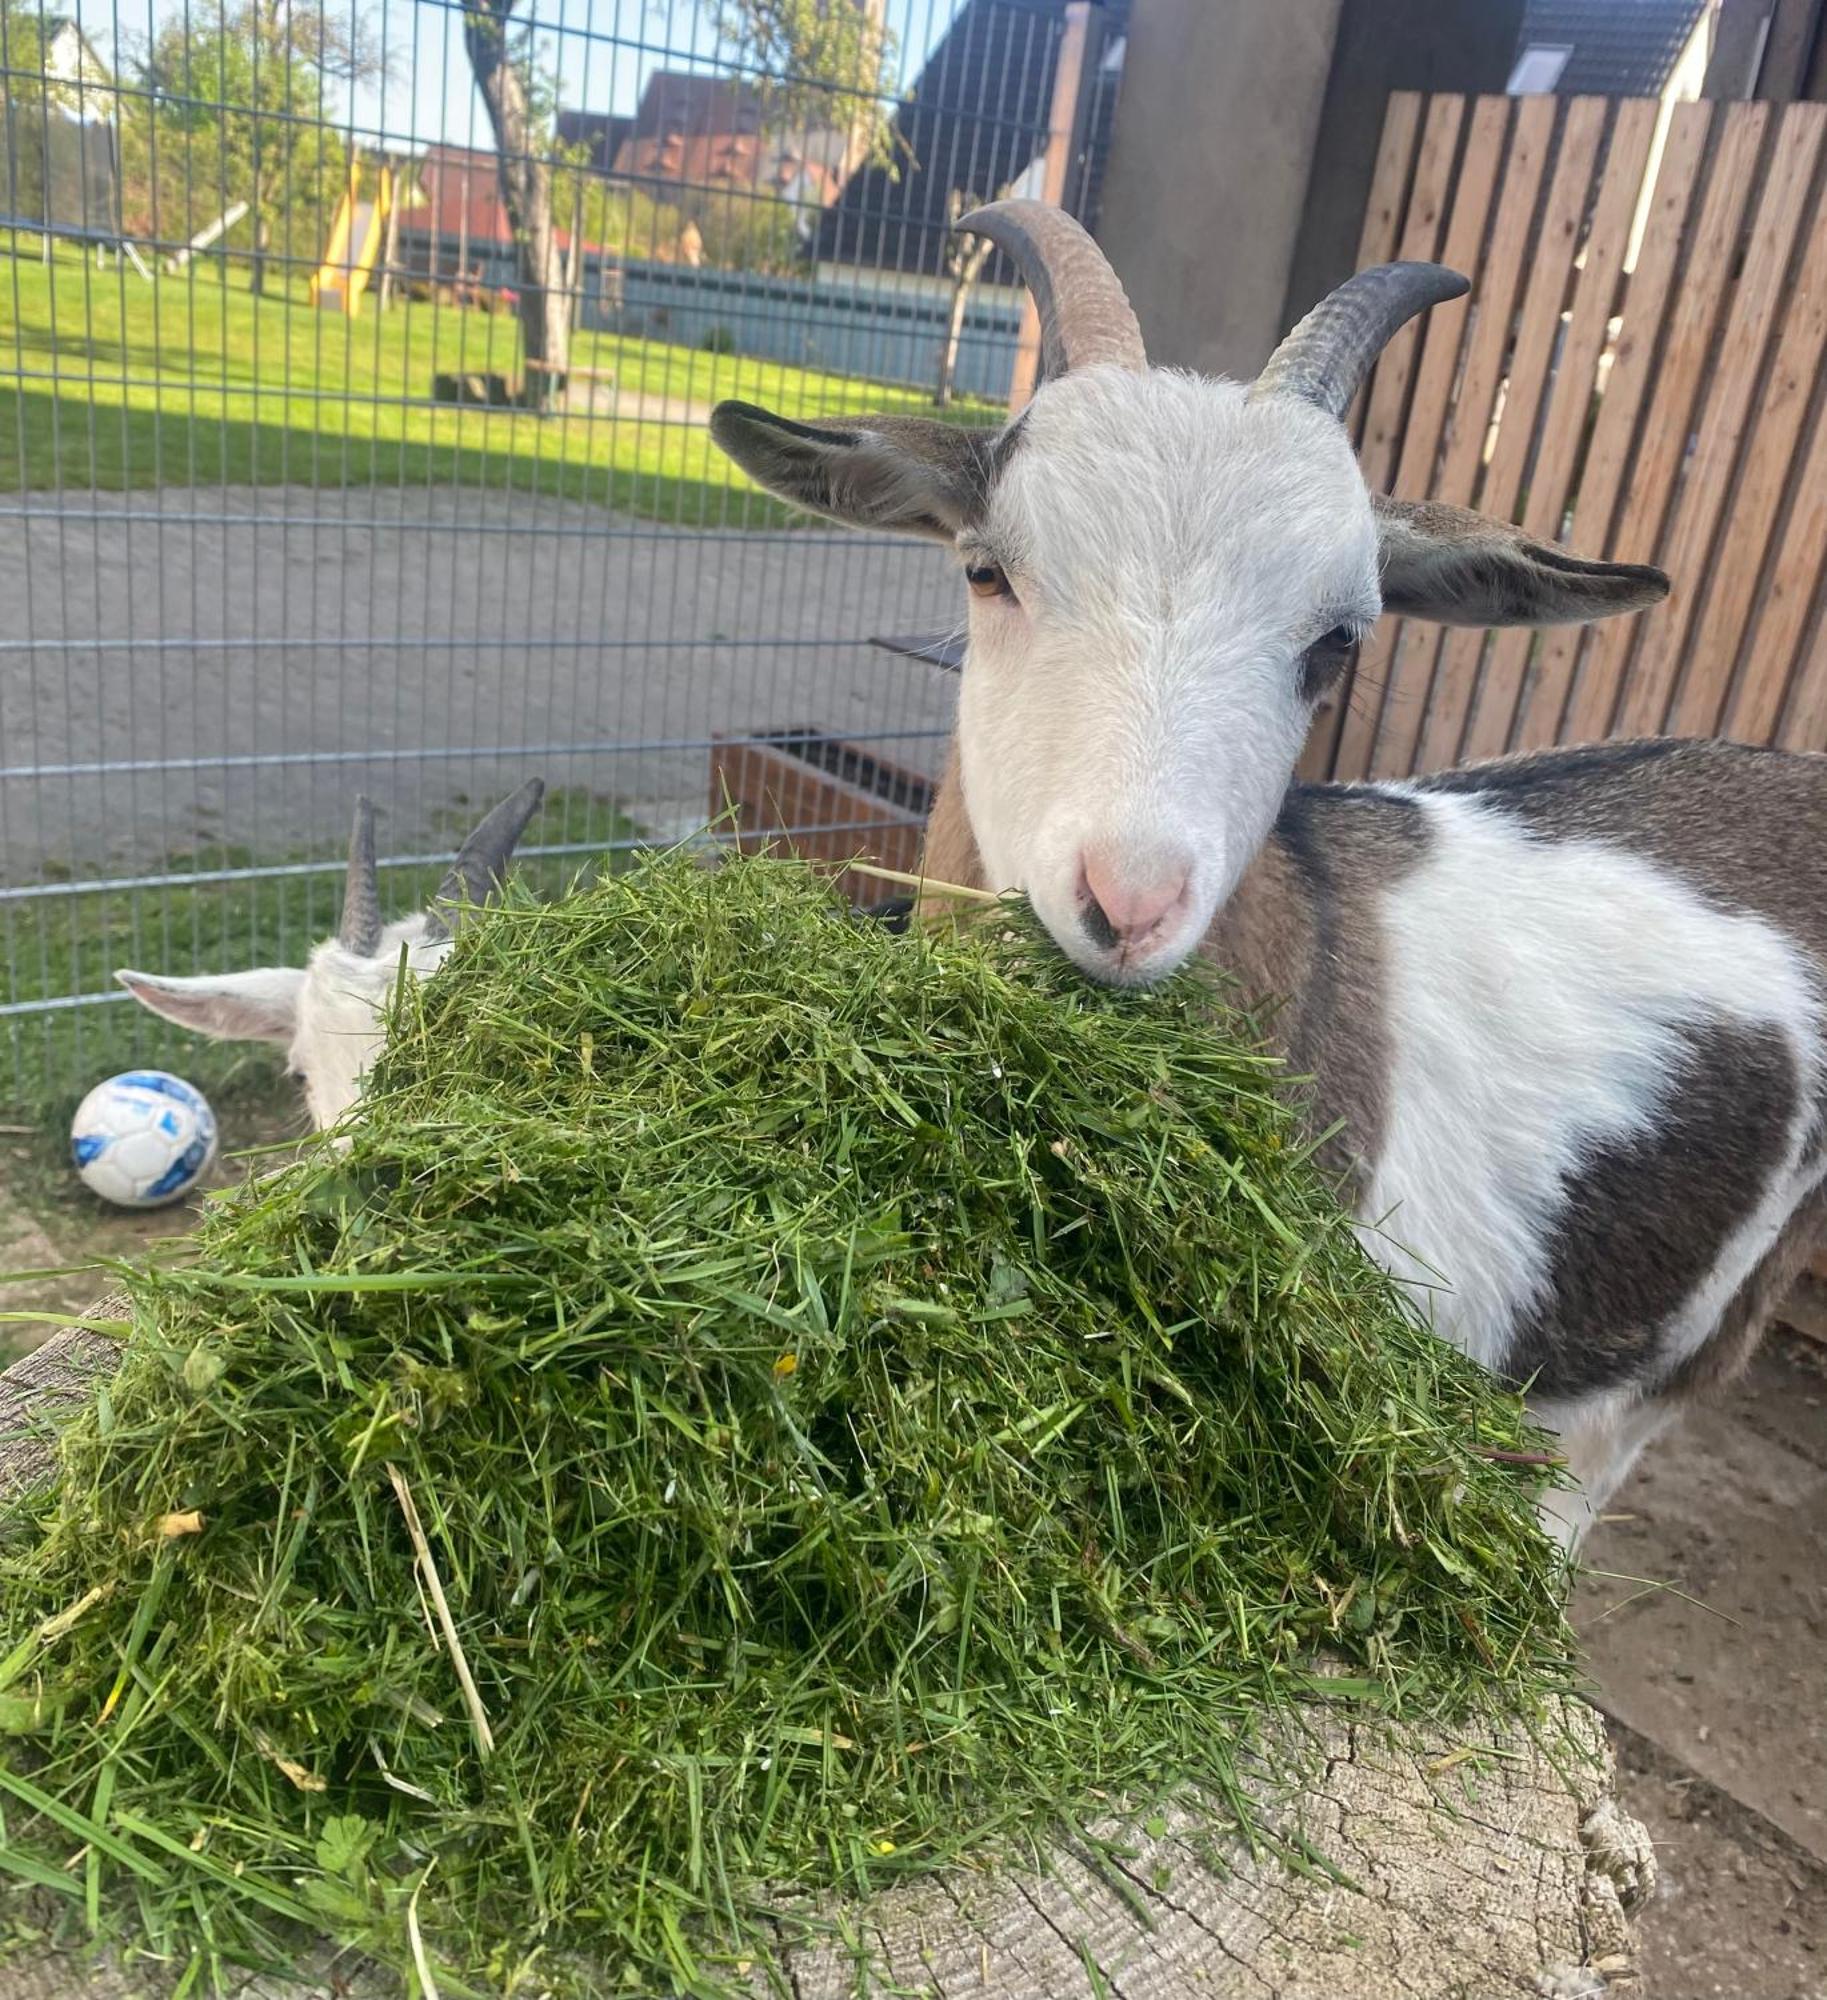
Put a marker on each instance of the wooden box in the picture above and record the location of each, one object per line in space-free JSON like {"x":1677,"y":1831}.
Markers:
{"x":813,"y":794}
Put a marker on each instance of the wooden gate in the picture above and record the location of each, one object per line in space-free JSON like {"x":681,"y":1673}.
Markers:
{"x":1637,"y":372}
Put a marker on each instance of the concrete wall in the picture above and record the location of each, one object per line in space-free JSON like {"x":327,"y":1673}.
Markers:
{"x":1208,"y":170}
{"x":1245,"y":138}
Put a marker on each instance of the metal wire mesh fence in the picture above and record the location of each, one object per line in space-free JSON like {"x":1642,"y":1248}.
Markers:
{"x":354,"y":369}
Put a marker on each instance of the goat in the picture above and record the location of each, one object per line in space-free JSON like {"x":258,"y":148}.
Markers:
{"x":1565,"y":1010}
{"x":328,"y":1015}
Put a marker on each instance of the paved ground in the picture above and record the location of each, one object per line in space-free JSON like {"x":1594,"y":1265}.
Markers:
{"x":190,"y":627}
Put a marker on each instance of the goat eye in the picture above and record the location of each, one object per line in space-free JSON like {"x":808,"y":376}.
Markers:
{"x":1324,"y":661}
{"x":987,"y":580}
{"x":298,"y":1077}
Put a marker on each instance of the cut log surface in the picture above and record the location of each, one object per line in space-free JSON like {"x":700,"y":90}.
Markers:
{"x":1447,"y":1863}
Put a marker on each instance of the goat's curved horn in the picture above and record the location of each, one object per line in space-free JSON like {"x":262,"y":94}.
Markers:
{"x":359,"y":928}
{"x":1326,"y":358}
{"x":482,"y":861}
{"x":1085,"y":315}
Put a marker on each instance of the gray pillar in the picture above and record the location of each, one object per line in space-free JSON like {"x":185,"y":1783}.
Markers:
{"x":1245,"y":139}
{"x":1208,"y":170}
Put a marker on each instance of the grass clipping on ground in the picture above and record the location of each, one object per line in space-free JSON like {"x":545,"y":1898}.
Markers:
{"x":761,"y":1406}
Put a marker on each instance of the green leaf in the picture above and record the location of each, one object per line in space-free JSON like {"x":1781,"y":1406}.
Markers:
{"x":336,"y":1899}
{"x":342,"y":1846}
{"x":202,"y":1370}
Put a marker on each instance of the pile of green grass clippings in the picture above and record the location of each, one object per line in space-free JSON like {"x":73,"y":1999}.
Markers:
{"x":866,"y":1401}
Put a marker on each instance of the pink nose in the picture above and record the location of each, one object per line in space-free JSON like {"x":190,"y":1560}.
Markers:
{"x":1123,"y":908}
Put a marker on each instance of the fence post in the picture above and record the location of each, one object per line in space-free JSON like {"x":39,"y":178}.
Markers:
{"x":1062,"y":122}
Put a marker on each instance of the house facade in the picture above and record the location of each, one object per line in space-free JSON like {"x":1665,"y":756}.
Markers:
{"x":975,"y":124}
{"x":695,"y":134}
{"x":76,"y":79}
{"x":1614,"y":48}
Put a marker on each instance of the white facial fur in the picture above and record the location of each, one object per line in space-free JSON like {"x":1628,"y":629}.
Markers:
{"x":341,"y":1007}
{"x":328,"y":1018}
{"x":1173,"y":550}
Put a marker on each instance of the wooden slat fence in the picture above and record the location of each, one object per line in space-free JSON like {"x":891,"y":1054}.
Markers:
{"x":1638,"y":373}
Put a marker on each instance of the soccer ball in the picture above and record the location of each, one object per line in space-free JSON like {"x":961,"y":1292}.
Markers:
{"x":143,"y":1138}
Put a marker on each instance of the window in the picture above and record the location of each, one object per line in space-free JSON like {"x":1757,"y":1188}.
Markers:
{"x":1538,"y":69}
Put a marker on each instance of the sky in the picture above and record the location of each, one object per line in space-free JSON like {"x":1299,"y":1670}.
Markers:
{"x":603,"y":52}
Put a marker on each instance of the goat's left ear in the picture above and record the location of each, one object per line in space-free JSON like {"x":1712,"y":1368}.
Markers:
{"x":1458,"y":568}
{"x":906,"y":473}
{"x":259,"y":1006}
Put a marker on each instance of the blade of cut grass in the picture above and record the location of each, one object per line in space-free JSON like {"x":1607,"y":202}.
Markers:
{"x":81,"y":1825}
{"x":428,"y":1569}
{"x":930,"y":883}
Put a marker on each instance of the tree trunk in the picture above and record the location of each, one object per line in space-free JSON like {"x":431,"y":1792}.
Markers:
{"x":263,"y":244}
{"x":954,"y":334}
{"x":964,"y":277}
{"x":574,"y":262}
{"x":1488,"y":1859}
{"x":526,"y":193}
{"x":860,"y":140}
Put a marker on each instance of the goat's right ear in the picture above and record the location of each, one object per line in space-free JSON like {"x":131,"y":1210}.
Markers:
{"x":259,"y":1006}
{"x":906,"y":473}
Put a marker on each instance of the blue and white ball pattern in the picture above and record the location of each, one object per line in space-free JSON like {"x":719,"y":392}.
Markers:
{"x":143,"y":1138}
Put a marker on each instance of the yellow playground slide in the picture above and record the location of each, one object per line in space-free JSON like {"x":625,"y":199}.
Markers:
{"x":357,"y":234}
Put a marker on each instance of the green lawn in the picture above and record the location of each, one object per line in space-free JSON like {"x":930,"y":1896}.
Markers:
{"x":190,"y":380}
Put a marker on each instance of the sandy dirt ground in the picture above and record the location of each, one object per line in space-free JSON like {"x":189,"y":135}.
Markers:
{"x":1706,"y":1624}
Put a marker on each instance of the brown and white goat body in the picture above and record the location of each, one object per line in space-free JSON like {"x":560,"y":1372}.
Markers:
{"x":1567,"y":1009}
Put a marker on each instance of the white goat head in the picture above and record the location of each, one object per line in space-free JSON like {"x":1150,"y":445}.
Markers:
{"x":1166,"y":573}
{"x":328,"y":1016}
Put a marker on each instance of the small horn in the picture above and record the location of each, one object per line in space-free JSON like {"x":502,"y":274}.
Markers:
{"x":481,"y":864}
{"x":1085,"y":315}
{"x":359,"y":929}
{"x":1326,"y":358}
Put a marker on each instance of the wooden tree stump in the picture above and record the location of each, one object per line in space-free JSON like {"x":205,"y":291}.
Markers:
{"x":1448,"y":1864}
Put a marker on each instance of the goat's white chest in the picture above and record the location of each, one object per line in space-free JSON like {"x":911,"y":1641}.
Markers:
{"x":1537,"y":994}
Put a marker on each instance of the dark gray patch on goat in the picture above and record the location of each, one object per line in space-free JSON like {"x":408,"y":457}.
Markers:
{"x":1647,"y":1217}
